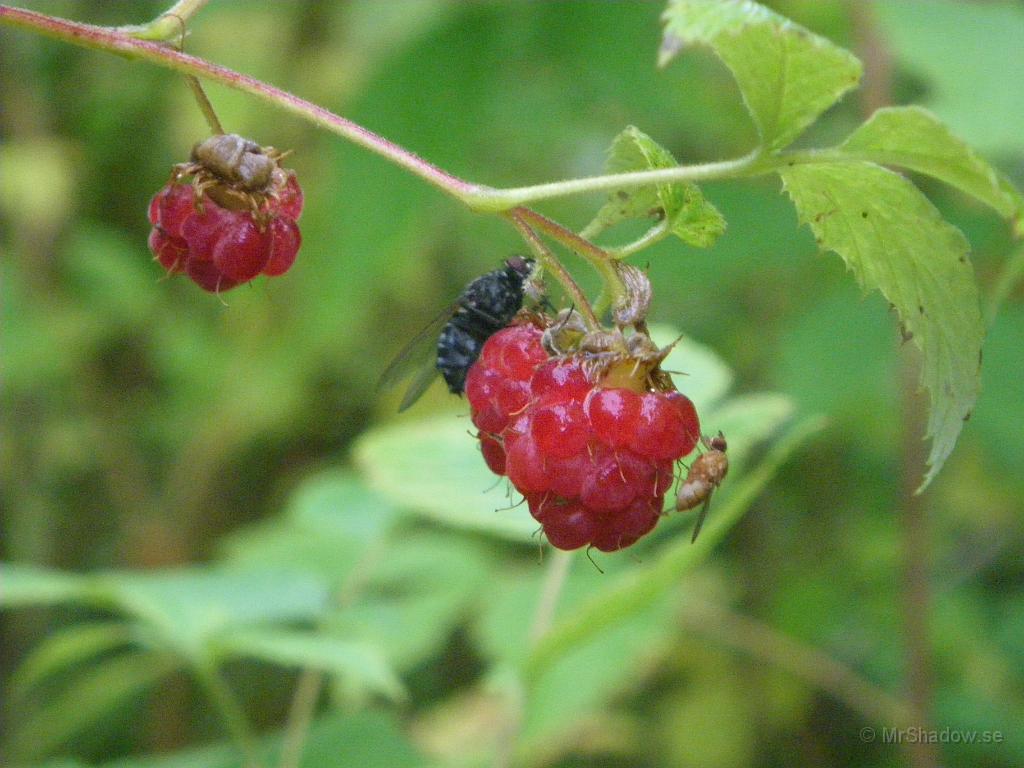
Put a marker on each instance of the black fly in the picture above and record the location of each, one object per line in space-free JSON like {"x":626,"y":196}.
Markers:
{"x":452,"y":342}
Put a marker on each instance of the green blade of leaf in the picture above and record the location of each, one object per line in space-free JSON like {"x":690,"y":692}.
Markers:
{"x":914,"y":138}
{"x":786,"y":75}
{"x":358,"y":663}
{"x":895,"y":241}
{"x":434,"y":467}
{"x":186,"y":607}
{"x":698,"y":222}
{"x":23,"y":585}
{"x":87,"y":700}
{"x":65,"y":649}
{"x":414,"y":596}
{"x":691,"y":218}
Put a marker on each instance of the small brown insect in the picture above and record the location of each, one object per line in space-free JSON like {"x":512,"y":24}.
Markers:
{"x":705,"y":475}
{"x":238,"y":161}
{"x":236,"y":173}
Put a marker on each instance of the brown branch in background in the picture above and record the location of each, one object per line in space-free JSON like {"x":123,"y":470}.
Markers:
{"x":915,"y":586}
{"x":808,"y":663}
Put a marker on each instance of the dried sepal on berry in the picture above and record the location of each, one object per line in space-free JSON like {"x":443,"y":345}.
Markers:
{"x":632,"y":307}
{"x":565,"y":332}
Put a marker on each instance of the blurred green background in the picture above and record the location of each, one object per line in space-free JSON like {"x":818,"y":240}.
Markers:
{"x":147,"y":424}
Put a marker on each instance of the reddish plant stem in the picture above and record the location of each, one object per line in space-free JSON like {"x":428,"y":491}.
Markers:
{"x":100,"y":38}
{"x":564,"y":235}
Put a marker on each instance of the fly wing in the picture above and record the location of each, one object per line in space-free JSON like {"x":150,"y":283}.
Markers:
{"x":417,"y":362}
{"x":700,"y":519}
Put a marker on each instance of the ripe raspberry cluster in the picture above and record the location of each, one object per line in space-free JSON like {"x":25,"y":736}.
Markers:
{"x":221,"y":233}
{"x":593,"y":462}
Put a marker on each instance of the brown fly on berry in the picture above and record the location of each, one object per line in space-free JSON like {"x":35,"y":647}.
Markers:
{"x":705,"y":475}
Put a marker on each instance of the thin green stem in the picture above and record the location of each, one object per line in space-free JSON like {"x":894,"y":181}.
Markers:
{"x":235,"y":720}
{"x":819,"y":669}
{"x":554,"y":266}
{"x":300,"y":716}
{"x":555,"y":577}
{"x":311,"y":682}
{"x":597,"y":256}
{"x":501,"y":199}
{"x":564,"y":235}
{"x":168,"y":24}
{"x":204,"y":104}
{"x":656,"y":233}
{"x":554,"y":581}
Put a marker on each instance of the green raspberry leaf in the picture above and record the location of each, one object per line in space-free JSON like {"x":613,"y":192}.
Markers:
{"x":914,"y":138}
{"x":787,"y":75}
{"x":690,"y":217}
{"x":698,"y":222}
{"x":433,"y":467}
{"x":894,"y":240}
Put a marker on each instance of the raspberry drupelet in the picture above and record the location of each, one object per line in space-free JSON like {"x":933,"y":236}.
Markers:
{"x":227,"y":216}
{"x":593,"y":461}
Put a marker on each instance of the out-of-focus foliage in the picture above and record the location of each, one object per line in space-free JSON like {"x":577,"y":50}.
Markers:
{"x":148,"y":426}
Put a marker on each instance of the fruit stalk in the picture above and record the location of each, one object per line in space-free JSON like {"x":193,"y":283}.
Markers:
{"x":551,"y":263}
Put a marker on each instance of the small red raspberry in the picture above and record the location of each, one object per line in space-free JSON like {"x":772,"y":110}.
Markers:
{"x":234,"y":221}
{"x":594,"y":461}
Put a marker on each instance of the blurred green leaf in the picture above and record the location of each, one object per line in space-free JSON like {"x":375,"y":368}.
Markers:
{"x":434,"y":467}
{"x":86,"y":699}
{"x":894,"y":240}
{"x":975,"y":79}
{"x":915,"y":139}
{"x":27,"y":585}
{"x":582,"y":681}
{"x":357,"y":664}
{"x":188,"y":607}
{"x":412,"y":598}
{"x":364,"y":739}
{"x":787,"y":75}
{"x":697,"y":370}
{"x":65,"y":649}
{"x":690,"y":217}
{"x":333,"y":522}
{"x":339,"y":502}
{"x":584,"y":678}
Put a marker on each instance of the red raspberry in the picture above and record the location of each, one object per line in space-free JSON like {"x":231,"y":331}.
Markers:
{"x":236,"y":220}
{"x":593,"y":463}
{"x":169,"y":251}
{"x":561,"y":379}
{"x":500,"y":388}
{"x":560,"y":430}
{"x":242,"y":250}
{"x":284,"y":245}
